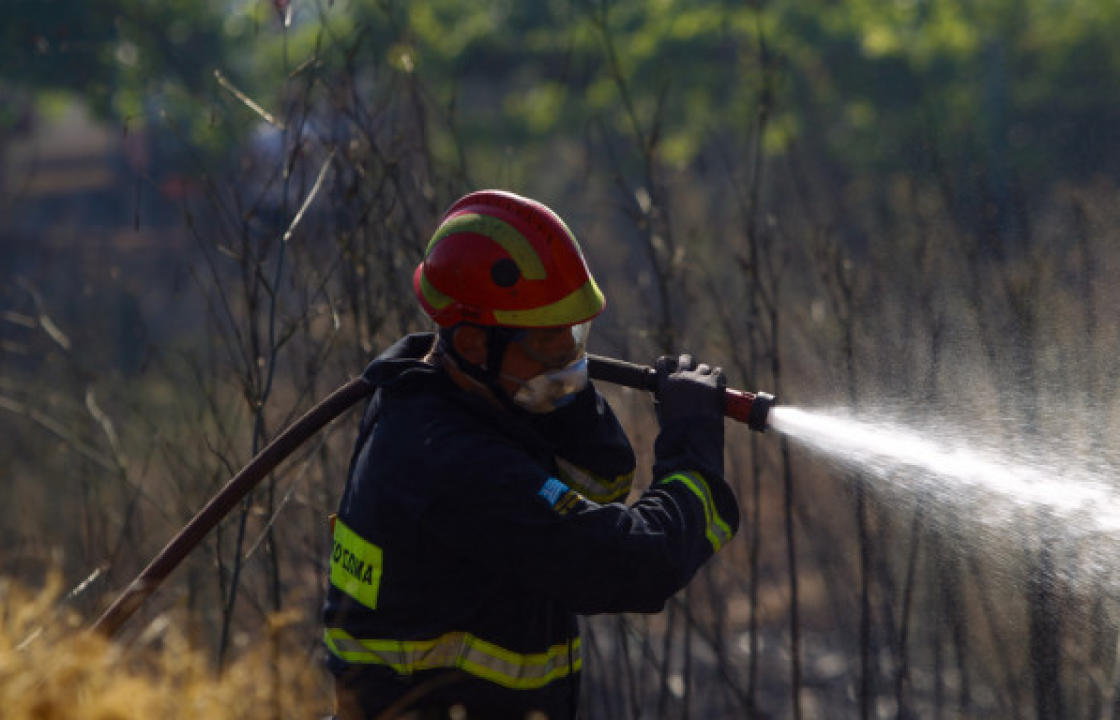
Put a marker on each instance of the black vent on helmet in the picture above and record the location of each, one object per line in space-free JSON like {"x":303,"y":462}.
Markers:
{"x":505,"y":273}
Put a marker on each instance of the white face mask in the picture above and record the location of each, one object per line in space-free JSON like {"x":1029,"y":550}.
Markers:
{"x":552,"y":389}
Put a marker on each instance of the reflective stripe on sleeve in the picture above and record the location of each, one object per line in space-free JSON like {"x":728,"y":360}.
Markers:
{"x":595,"y":487}
{"x":716,"y":530}
{"x":463,"y":651}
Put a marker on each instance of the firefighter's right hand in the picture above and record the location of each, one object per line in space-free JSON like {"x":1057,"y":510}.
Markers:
{"x":688,"y":391}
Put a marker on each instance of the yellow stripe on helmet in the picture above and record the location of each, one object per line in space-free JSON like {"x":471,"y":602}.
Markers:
{"x":434,"y":297}
{"x":501,"y":232}
{"x":576,"y":307}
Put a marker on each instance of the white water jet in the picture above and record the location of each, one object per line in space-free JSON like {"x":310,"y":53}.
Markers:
{"x":1002,"y":501}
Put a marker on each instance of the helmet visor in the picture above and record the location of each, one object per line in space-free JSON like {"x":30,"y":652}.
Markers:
{"x":562,"y":354}
{"x":551,"y":389}
{"x":555,"y":348}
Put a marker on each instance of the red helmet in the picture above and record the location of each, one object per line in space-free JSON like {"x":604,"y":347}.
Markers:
{"x":502,"y":259}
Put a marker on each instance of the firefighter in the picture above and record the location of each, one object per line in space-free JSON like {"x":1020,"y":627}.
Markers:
{"x":484,"y":507}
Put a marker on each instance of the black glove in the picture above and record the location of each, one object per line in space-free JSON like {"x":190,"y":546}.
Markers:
{"x":688,"y":390}
{"x":689,"y":403}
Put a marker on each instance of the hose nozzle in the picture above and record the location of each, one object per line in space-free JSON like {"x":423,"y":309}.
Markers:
{"x":750,"y":408}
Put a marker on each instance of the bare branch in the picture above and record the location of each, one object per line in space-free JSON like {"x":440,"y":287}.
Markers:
{"x":58,"y":430}
{"x":247,"y":101}
{"x":310,"y":197}
{"x":106,"y":425}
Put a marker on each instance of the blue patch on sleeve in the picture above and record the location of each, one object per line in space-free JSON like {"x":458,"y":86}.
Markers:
{"x":552,"y":491}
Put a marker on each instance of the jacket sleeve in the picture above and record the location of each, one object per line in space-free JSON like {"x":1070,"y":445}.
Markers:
{"x":507,"y":515}
{"x":592,"y":451}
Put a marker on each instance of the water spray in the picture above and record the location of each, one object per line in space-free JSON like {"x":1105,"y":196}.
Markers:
{"x":993,"y":496}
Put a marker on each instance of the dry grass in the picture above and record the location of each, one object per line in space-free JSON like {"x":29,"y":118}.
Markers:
{"x":52,"y":668}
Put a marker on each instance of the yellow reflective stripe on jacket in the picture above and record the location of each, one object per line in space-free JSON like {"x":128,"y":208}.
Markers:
{"x":463,"y":651}
{"x":592,"y":486}
{"x":717,"y":531}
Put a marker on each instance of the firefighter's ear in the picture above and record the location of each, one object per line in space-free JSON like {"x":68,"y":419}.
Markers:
{"x":470,"y":342}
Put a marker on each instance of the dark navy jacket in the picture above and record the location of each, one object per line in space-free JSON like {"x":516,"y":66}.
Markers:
{"x":467,"y":539}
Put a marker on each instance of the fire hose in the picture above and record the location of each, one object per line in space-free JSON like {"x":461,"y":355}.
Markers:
{"x":745,"y":407}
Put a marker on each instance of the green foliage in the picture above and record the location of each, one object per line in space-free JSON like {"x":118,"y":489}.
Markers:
{"x":865,"y":80}
{"x":113,"y":53}
{"x":1007,"y":75}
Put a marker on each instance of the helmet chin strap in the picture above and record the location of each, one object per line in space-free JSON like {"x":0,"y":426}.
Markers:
{"x":489,"y":374}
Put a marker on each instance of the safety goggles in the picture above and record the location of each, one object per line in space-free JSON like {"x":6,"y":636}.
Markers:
{"x":537,"y":347}
{"x":558,"y":384}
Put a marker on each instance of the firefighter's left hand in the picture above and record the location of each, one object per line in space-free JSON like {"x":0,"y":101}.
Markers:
{"x":687,"y":390}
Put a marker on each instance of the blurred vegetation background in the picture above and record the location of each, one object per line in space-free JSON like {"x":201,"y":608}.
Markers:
{"x":209,"y":213}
